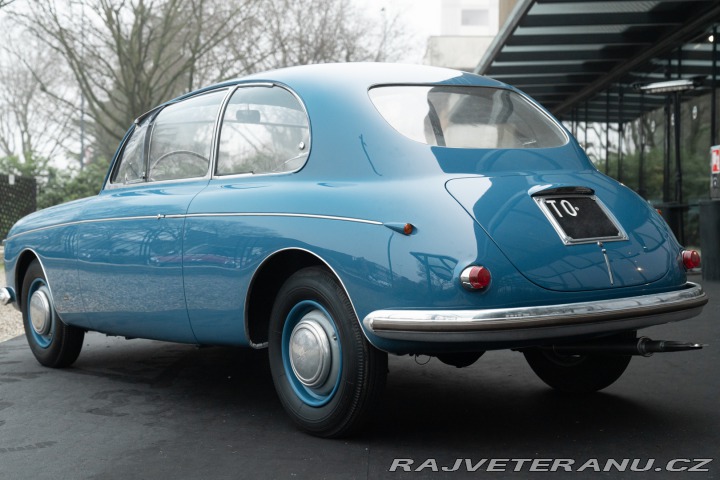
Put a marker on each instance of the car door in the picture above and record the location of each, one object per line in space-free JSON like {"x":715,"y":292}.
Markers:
{"x":130,"y":240}
{"x":264,"y":136}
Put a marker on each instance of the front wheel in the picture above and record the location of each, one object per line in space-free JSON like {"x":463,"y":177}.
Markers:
{"x":576,"y":373}
{"x":327,"y":375}
{"x":53,"y":343}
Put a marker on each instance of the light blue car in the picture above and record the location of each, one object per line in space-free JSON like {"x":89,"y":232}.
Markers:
{"x":337,"y":213}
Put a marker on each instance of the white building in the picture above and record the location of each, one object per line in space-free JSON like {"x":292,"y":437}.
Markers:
{"x":467,"y":28}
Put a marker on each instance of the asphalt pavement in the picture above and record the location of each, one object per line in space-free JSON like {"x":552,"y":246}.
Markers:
{"x":143,"y":409}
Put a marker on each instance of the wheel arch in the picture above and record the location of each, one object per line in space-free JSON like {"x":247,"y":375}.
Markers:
{"x":265,"y":285}
{"x":21,"y":267}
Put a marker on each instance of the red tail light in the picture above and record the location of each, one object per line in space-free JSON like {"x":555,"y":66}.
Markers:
{"x":691,"y":259}
{"x":475,"y":277}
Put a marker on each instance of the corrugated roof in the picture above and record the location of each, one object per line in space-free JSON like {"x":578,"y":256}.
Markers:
{"x":573,"y":54}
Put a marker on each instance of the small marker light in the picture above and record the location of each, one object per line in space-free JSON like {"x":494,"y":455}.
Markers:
{"x":404,"y":228}
{"x":475,"y":277}
{"x":691,"y":259}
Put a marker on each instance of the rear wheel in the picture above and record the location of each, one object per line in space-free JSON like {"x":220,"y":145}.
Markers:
{"x":576,"y":373}
{"x":53,"y":343}
{"x":327,"y":375}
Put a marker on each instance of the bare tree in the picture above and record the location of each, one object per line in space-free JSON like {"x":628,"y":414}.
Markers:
{"x":335,"y":31}
{"x":128,"y":56}
{"x":33,"y":122}
{"x":5,"y":3}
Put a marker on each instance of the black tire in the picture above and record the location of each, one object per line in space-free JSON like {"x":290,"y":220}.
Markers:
{"x":53,"y":343}
{"x":576,"y":373}
{"x":351,"y":378}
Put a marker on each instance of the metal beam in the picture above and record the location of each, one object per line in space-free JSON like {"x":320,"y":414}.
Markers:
{"x":689,"y":70}
{"x":605,"y":54}
{"x":591,"y":67}
{"x":532,"y":78}
{"x":713,"y":86}
{"x":674,"y":38}
{"x":698,"y":55}
{"x":549,"y":89}
{"x":610,"y":18}
{"x":626,"y":38}
{"x":522,"y":7}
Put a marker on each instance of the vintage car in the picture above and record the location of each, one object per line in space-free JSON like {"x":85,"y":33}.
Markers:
{"x":338,"y":213}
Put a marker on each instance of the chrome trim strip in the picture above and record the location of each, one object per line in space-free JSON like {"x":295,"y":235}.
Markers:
{"x":278,"y":214}
{"x":607,"y":263}
{"x":19,"y":281}
{"x":80,"y":222}
{"x":215,"y":146}
{"x":6,"y":295}
{"x":529,"y":323}
{"x":160,"y":216}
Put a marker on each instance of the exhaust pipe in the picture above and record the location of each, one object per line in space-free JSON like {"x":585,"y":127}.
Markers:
{"x":642,"y":346}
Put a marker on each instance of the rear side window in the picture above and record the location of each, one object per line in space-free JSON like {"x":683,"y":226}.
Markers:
{"x":466,"y":117}
{"x":264,"y":130}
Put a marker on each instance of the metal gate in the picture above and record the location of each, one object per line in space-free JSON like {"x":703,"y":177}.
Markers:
{"x":17,"y":199}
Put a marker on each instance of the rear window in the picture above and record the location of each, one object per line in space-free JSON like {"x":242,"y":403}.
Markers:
{"x":466,"y":117}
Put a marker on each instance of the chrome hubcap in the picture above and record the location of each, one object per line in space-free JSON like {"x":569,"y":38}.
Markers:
{"x":310,"y":353}
{"x":40,"y":312}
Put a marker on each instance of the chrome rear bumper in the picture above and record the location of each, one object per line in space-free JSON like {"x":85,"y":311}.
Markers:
{"x":503,"y":325}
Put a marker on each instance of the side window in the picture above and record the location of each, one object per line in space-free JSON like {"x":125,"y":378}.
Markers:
{"x":132,"y":165}
{"x":181,"y":138}
{"x":264,"y":130}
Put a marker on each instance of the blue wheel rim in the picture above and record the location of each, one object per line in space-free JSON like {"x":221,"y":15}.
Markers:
{"x":307,"y":395}
{"x":42,"y":341}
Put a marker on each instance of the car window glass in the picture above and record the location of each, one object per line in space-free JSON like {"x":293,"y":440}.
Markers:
{"x":181,"y":138}
{"x":132,"y":166}
{"x":264,"y":130}
{"x":466,"y":117}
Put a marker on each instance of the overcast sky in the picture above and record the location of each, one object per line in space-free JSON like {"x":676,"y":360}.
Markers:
{"x":420,"y":17}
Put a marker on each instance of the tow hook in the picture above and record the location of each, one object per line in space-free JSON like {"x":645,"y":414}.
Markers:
{"x":642,"y":346}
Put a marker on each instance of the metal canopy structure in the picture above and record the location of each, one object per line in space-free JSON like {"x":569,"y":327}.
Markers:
{"x":586,"y":57}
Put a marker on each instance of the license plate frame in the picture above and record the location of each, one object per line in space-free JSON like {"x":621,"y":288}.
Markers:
{"x":563,"y":211}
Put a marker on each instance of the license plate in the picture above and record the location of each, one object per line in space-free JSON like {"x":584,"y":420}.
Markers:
{"x":580,"y":219}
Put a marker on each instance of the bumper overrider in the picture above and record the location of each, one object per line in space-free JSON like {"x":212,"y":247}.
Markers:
{"x":523,"y":324}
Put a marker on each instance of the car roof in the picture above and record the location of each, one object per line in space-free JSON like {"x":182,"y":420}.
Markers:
{"x":366,"y":75}
{"x":357,"y":75}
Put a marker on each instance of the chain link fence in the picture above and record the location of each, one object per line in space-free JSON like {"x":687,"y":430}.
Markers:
{"x":17,"y":199}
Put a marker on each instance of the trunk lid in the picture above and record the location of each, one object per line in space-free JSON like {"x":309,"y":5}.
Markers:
{"x":612,"y":238}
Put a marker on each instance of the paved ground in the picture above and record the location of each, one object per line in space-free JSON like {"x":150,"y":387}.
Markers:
{"x":143,"y":409}
{"x":10,"y":322}
{"x":10,"y":319}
